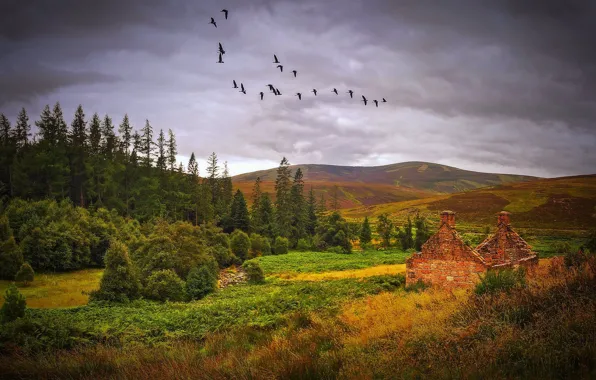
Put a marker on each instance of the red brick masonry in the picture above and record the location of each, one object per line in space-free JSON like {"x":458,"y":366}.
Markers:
{"x":447,"y":261}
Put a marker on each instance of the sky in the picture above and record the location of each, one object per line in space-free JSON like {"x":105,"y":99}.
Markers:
{"x":506,"y":86}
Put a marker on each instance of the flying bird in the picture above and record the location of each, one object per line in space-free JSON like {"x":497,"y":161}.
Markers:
{"x":220,"y":60}
{"x":261,"y":93}
{"x":225,"y":11}
{"x":242,"y":89}
{"x":235,"y":85}
{"x":335,"y":90}
{"x":315,"y":91}
{"x":271,"y":88}
{"x":213,"y":22}
{"x":295,"y":72}
{"x":364,"y":99}
{"x":299,"y":96}
{"x":277,"y":91}
{"x":281,"y":68}
{"x":376,"y":102}
{"x":221,"y":50}
{"x":384,"y":101}
{"x":275,"y":59}
{"x":351,"y":93}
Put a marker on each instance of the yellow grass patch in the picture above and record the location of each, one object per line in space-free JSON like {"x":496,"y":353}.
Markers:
{"x":378,"y":270}
{"x":58,"y":289}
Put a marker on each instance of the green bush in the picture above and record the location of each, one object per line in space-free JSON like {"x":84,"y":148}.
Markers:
{"x":259,"y":245}
{"x":222,"y":255}
{"x":303,"y":245}
{"x":576,"y":259}
{"x":14,"y":305}
{"x":281,"y":245}
{"x":201,"y":281}
{"x":120,"y":281}
{"x":11,"y":258}
{"x":254,"y":272}
{"x":562,"y":247}
{"x":240,"y":244}
{"x":25,"y":274}
{"x":336,"y":249}
{"x":165,"y":285}
{"x":495,"y":281}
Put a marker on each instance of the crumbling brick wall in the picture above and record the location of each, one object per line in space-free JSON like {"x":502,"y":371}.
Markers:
{"x":445,"y":259}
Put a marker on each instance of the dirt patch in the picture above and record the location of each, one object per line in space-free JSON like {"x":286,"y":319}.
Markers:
{"x":231,"y":276}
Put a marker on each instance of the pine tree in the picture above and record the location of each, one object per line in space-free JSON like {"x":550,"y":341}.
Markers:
{"x":119,"y":281}
{"x":266,"y":217}
{"x":161,"y":152}
{"x":95,"y":135}
{"x":385,"y":229}
{"x":239,"y":212}
{"x":212,"y":177}
{"x":299,"y":211}
{"x":172,"y":151}
{"x":126,"y":136}
{"x":22,"y":130}
{"x":406,"y":236}
{"x":7,"y":151}
{"x":193,"y":186}
{"x":147,"y":145}
{"x":78,"y":146}
{"x":365,"y":232}
{"x":46,"y":126}
{"x":311,"y":222}
{"x":256,"y":201}
{"x":283,"y":206}
{"x":26,"y":275}
{"x":422,"y":232}
{"x":226,"y":187}
{"x":61,"y":127}
{"x":322,"y":206}
{"x":109,"y":140}
{"x":14,"y":305}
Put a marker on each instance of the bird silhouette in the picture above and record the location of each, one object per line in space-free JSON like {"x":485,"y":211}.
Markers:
{"x":277,"y":92}
{"x":221,"y":50}
{"x":376,"y":102}
{"x":213,"y":22}
{"x":271,"y":88}
{"x":220,"y":60}
{"x":261,"y":93}
{"x":299,"y":96}
{"x":235,"y":85}
{"x":275,"y":59}
{"x":281,"y":68}
{"x":351,"y":93}
{"x":242,"y":89}
{"x":335,"y":90}
{"x":314,"y":90}
{"x":364,"y":99}
{"x":295,"y":72}
{"x":384,"y":101}
{"x":225,"y":11}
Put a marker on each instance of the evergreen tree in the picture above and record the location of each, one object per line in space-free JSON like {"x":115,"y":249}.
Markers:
{"x":385,"y":229}
{"x":283,"y":205}
{"x":147,"y":145}
{"x":120,"y":281}
{"x":61,"y":127}
{"x":14,"y":305}
{"x":193,"y":187}
{"x":22,"y":130}
{"x":256,"y":196}
{"x":311,"y":214}
{"x":25,"y":274}
{"x":365,"y":232}
{"x":422,"y":232}
{"x":322,"y":206}
{"x":172,"y":151}
{"x":239,"y":212}
{"x":266,"y":217}
{"x":7,"y":152}
{"x":78,"y":147}
{"x":161,"y":152}
{"x":226,"y":188}
{"x":109,"y":139}
{"x":95,"y":135}
{"x":46,"y":126}
{"x":11,"y":257}
{"x":406,"y":236}
{"x":299,"y":211}
{"x":126,"y":136}
{"x":212,"y":177}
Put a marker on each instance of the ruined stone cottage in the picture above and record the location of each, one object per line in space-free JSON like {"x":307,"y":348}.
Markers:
{"x":447,"y":261}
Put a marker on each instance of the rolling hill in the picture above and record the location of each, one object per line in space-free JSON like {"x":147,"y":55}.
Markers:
{"x":365,"y":186}
{"x":559,"y":203}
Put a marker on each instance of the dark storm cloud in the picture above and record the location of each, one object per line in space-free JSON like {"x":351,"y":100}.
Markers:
{"x":505,"y":85}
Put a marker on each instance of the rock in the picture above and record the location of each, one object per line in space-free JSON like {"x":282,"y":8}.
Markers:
{"x":231,"y":276}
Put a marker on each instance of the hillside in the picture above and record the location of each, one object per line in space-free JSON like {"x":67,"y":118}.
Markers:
{"x":365,"y":186}
{"x":560,"y":203}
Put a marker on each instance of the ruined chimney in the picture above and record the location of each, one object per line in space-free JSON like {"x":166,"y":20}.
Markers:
{"x":448,"y":217}
{"x":503,"y":218}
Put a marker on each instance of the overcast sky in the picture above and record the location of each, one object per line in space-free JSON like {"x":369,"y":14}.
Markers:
{"x":507,"y":86}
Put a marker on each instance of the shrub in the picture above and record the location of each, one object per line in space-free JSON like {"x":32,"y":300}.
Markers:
{"x":591,"y":242}
{"x":303,"y":245}
{"x":25,"y":274}
{"x":259,"y":245}
{"x":417,"y":287}
{"x":11,"y":258}
{"x":240,"y":244}
{"x":119,"y":282}
{"x":562,"y":247}
{"x":495,"y":281}
{"x":336,"y":249}
{"x":222,"y":255}
{"x":281,"y":245}
{"x":254,"y":272}
{"x":367,"y":247}
{"x":14,"y":305}
{"x":164,"y":285}
{"x":201,"y":281}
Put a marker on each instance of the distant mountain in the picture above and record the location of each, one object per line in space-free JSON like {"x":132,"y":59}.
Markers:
{"x":361,"y":185}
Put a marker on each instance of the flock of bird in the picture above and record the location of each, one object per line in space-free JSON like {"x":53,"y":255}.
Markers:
{"x":272,"y":88}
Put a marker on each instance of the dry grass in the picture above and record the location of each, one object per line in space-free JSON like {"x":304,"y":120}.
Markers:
{"x":378,"y":270}
{"x":56,"y":290}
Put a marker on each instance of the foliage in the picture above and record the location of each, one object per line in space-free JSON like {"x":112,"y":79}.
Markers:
{"x":239,"y":212}
{"x":365,"y":232}
{"x":281,"y":245}
{"x":25,"y":275}
{"x":14,"y":305}
{"x":385,"y":229}
{"x":254,"y":272}
{"x":495,"y":281}
{"x":164,"y":285}
{"x":259,"y":245}
{"x":303,"y":245}
{"x":406,"y":236}
{"x":120,"y":281}
{"x":240,"y":244}
{"x":201,"y":281}
{"x":11,"y":258}
{"x":591,"y":242}
{"x":333,"y":231}
{"x":422,"y":232}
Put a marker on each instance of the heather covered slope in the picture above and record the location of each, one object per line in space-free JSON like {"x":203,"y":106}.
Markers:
{"x":365,"y":186}
{"x":565,"y":203}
